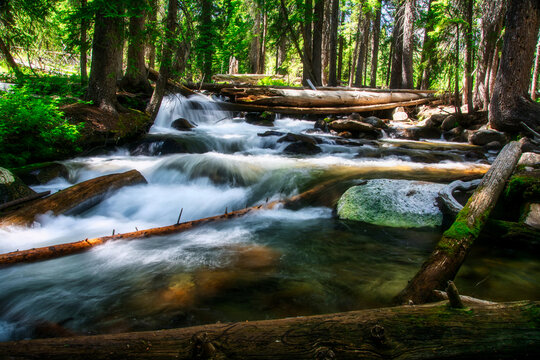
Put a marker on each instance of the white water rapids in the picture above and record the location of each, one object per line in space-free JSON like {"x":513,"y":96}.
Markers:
{"x":323,"y":265}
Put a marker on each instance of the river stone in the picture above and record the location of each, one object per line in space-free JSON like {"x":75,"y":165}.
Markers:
{"x":351,"y":126}
{"x":533,"y":216}
{"x":529,"y":159}
{"x":395,"y":203}
{"x":11,"y":187}
{"x":182,"y":124}
{"x":484,"y":137}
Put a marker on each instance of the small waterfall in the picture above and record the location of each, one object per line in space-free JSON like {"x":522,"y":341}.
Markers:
{"x":197,"y":109}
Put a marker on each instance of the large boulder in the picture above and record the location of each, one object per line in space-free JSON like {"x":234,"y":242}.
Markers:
{"x":11,"y":187}
{"x":395,"y":203}
{"x":484,"y":137}
{"x":376,"y":122}
{"x":351,"y":126}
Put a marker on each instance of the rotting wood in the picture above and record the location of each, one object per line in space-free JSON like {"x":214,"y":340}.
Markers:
{"x":289,"y":110}
{"x":431,"y":331}
{"x":22,"y":200}
{"x":445,"y":261}
{"x":446,"y":196}
{"x":75,"y":198}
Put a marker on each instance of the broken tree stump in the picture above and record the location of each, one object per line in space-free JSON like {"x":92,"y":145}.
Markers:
{"x":434,"y":331}
{"x":75,"y":198}
{"x":445,"y":261}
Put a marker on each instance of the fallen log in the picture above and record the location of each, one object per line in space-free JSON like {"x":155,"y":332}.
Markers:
{"x":75,"y":198}
{"x":445,"y":261}
{"x":468,"y":300}
{"x":435,"y":331}
{"x":171,"y":84}
{"x":290,"y":110}
{"x":22,"y":200}
{"x":54,"y":251}
{"x":317,"y":98}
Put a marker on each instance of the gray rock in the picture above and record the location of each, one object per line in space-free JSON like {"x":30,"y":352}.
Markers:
{"x":395,"y":203}
{"x":182,"y":124}
{"x":484,"y":137}
{"x":449,"y":123}
{"x":11,"y":187}
{"x":533,"y":216}
{"x":351,"y":125}
{"x":529,"y":159}
{"x":303,"y":148}
{"x":375,"y":122}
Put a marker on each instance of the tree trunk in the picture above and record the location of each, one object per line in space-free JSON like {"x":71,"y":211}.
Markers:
{"x":206,"y":32}
{"x":332,"y":72}
{"x":4,"y":48}
{"x":445,"y":261}
{"x":360,"y":65}
{"x":150,"y":46}
{"x":408,"y":45}
{"x":307,"y":32}
{"x":467,"y":84}
{"x":135,"y":79}
{"x":105,"y":53}
{"x":281,"y":55}
{"x":317,"y":42}
{"x":254,"y":49}
{"x":166,"y":61}
{"x":84,"y":47}
{"x":396,"y":78}
{"x":354,"y":56}
{"x":510,"y":103}
{"x":262,"y":49}
{"x":433,"y":331}
{"x":535,"y":73}
{"x":340,"y":59}
{"x":375,"y":47}
{"x":492,"y":19}
{"x":428,"y":48}
{"x":73,"y":199}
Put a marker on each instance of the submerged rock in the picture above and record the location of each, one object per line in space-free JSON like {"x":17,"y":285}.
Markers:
{"x":395,"y":203}
{"x":11,"y":187}
{"x":182,"y":124}
{"x":304,"y":148}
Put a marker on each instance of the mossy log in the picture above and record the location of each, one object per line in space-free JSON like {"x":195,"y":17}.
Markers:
{"x":75,"y":198}
{"x":435,"y":331}
{"x":445,"y":261}
{"x":292,"y":110}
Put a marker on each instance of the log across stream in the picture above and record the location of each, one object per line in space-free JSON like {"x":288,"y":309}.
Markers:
{"x":270,"y":264}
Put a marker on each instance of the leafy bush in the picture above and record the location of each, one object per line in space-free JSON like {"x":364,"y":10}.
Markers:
{"x":54,"y":85}
{"x":32,"y":128}
{"x":269,"y":81}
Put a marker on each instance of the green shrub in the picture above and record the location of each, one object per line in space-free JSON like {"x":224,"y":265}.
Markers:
{"x":269,"y":81}
{"x":32,"y":128}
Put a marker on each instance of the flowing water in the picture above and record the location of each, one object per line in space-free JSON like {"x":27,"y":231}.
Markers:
{"x":270,"y":264}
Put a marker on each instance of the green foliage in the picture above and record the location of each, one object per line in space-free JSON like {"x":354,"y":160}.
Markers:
{"x":32,"y":128}
{"x":64,"y":87}
{"x":270,"y":81}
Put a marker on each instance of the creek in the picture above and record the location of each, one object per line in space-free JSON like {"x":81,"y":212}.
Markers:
{"x":270,"y":264}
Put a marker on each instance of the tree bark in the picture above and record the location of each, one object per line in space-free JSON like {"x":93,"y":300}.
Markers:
{"x":332,"y":73}
{"x":432,"y":331}
{"x":535,"y":72}
{"x":407,"y":81}
{"x":428,"y":47}
{"x":150,"y":46}
{"x":445,"y":261}
{"x":308,"y":42}
{"x":135,"y":79}
{"x":73,"y":199}
{"x":510,"y":103}
{"x":396,"y":78}
{"x":468,"y":83}
{"x":375,"y":47}
{"x":254,"y":48}
{"x":84,"y":29}
{"x":360,"y":65}
{"x":206,"y":32}
{"x":166,"y":61}
{"x":492,"y":19}
{"x":105,"y":53}
{"x":317,"y":42}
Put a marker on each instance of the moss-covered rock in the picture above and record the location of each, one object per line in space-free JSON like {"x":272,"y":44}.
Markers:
{"x":396,"y":203}
{"x":11,"y":187}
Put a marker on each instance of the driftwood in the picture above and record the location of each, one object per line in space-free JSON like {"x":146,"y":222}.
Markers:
{"x":22,"y":200}
{"x":435,"y":331}
{"x":290,"y":110}
{"x":444,"y":263}
{"x":446,"y":196}
{"x":75,"y":198}
{"x":468,"y":300}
